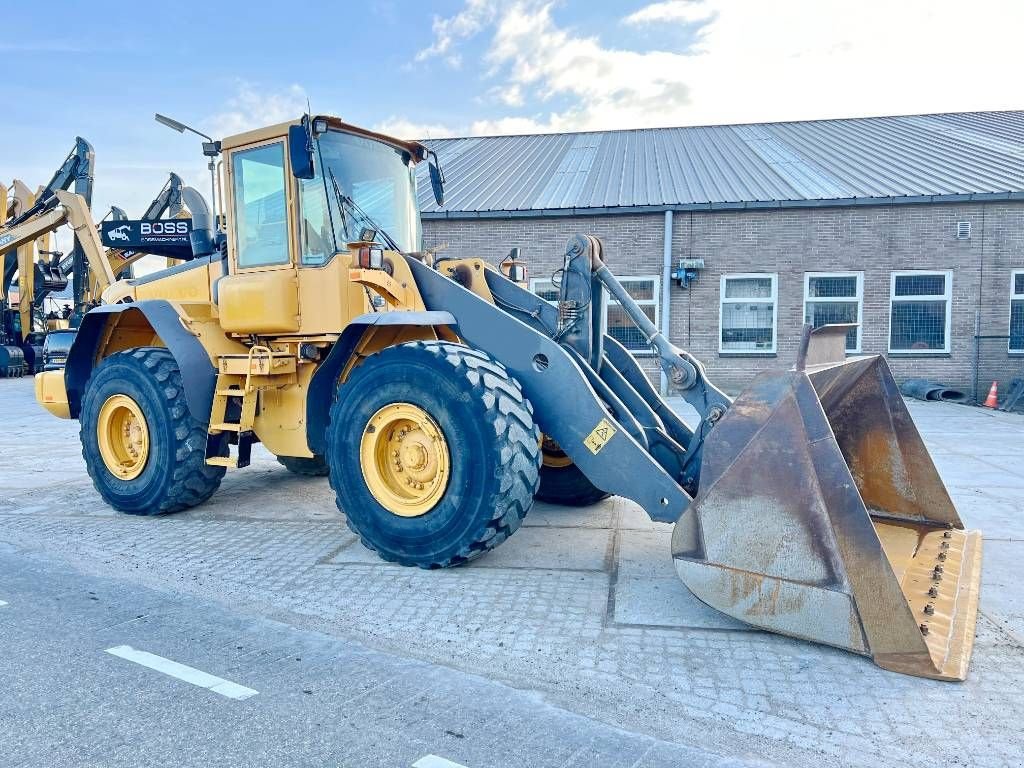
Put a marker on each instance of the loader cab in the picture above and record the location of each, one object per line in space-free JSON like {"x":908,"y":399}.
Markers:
{"x":299,"y":196}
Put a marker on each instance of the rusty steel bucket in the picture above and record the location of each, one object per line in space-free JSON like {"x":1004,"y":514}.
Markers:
{"x":821,"y":516}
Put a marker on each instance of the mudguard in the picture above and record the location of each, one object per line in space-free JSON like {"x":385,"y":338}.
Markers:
{"x":197,"y":372}
{"x":325,"y":379}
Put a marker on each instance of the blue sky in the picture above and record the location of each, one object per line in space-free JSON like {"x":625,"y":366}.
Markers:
{"x":471,"y":67}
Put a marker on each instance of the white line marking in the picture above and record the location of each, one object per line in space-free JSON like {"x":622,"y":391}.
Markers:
{"x":183,"y":672}
{"x":2,"y":602}
{"x":433,"y":761}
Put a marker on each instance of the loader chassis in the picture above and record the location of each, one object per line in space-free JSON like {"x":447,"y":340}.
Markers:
{"x":441,"y":397}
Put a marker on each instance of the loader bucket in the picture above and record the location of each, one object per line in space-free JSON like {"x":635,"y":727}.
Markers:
{"x":821,"y":516}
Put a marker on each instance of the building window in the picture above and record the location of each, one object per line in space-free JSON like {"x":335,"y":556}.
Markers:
{"x":919,"y":311}
{"x":1016,"y":343}
{"x":644,"y":291}
{"x":835,"y":297}
{"x":545,"y":288}
{"x":747,"y":314}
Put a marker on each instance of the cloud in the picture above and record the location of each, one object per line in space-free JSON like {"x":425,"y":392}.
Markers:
{"x":470,"y":20}
{"x":536,"y":62}
{"x":672,"y":11}
{"x":755,"y":62}
{"x":602,"y":87}
{"x":506,"y":126}
{"x":403,"y":128}
{"x":253,"y":106}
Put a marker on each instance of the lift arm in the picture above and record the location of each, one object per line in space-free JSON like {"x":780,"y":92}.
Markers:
{"x":73,"y":210}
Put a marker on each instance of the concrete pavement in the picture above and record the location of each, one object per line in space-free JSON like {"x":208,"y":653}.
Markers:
{"x":581,"y":608}
{"x":313,"y":700}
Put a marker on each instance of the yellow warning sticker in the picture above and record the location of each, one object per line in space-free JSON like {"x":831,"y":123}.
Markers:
{"x":599,"y":438}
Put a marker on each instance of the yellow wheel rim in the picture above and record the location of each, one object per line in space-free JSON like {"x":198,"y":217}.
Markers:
{"x":123,"y":437}
{"x":404,"y":459}
{"x":552,"y":454}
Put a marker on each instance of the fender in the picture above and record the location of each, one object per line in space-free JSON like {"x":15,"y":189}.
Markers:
{"x":197,"y":372}
{"x":325,"y":379}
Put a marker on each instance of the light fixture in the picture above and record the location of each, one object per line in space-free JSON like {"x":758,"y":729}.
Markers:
{"x":211,"y":149}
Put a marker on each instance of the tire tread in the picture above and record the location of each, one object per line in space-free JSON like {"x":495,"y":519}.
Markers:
{"x":504,"y":402}
{"x":193,"y":480}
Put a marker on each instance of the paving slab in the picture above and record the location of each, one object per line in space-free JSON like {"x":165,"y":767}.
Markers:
{"x":1002,"y":576}
{"x":600,"y":515}
{"x":648,"y":592}
{"x":654,"y":602}
{"x":579,"y":549}
{"x":631,"y":516}
{"x":645,"y":554}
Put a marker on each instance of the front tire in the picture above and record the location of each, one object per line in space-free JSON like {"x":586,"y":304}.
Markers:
{"x":449,"y":421}
{"x":143,"y":449}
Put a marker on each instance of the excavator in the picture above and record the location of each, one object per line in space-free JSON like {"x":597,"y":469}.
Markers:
{"x":32,"y":339}
{"x":20,"y":352}
{"x":441,"y":397}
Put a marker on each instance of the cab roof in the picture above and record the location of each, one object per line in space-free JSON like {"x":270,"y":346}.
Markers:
{"x":417,"y":150}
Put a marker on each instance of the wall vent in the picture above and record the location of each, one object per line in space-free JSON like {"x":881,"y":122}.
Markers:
{"x":963,"y":230}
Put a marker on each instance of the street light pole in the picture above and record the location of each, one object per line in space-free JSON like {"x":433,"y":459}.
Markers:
{"x":211,"y":149}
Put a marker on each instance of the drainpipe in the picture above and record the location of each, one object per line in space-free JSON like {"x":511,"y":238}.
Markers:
{"x":666,"y":284}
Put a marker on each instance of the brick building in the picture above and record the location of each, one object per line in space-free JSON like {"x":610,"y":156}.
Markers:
{"x":911,"y":226}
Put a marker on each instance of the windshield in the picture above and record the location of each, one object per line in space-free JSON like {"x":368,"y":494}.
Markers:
{"x":360,"y":184}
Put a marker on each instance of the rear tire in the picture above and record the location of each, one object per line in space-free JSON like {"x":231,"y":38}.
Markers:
{"x":173,"y":474}
{"x":488,"y":442}
{"x":562,"y":482}
{"x":307,"y":467}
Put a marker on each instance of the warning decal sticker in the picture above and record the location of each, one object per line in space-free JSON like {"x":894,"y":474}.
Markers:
{"x":599,"y":438}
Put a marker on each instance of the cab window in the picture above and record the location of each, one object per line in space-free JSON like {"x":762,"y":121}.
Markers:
{"x":261,"y":225}
{"x":316,"y":234}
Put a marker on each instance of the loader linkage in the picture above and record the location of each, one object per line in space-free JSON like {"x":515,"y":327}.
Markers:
{"x":808,"y":506}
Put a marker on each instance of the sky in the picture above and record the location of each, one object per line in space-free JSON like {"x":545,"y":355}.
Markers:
{"x":471,"y":67}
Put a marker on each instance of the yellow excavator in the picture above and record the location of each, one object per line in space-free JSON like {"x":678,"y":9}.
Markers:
{"x":441,"y":397}
{"x":36,"y":278}
{"x":30,"y":338}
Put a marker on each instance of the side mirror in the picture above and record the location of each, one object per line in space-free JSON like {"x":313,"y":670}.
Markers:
{"x":300,"y":151}
{"x":436,"y":178}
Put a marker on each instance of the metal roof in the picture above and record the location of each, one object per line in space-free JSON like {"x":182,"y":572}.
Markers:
{"x":870,"y":160}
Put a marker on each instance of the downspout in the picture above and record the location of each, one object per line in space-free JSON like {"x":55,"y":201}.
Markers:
{"x":666,"y":284}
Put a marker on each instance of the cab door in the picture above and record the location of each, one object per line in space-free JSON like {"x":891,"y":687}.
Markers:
{"x":260,"y":293}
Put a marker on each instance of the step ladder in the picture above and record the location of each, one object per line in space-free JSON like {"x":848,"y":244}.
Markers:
{"x":240,"y":379}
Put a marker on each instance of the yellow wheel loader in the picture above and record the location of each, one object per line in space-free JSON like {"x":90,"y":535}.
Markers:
{"x":442,"y":397}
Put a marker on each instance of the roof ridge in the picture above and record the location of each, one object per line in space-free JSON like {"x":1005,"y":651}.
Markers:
{"x":861,"y":118}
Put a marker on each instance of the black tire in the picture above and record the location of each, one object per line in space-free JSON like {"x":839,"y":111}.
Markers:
{"x":307,"y":467}
{"x":492,"y":440}
{"x":176,"y":475}
{"x":562,"y":482}
{"x":569,"y":486}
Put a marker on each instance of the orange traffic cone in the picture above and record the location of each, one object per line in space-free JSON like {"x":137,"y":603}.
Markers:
{"x":992,"y":401}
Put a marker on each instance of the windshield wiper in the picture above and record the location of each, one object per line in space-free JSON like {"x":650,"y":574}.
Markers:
{"x":340,"y":198}
{"x":346,"y":201}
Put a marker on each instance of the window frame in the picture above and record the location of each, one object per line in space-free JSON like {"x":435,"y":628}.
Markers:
{"x":859,"y":298}
{"x":289,"y":180}
{"x":773,"y":299}
{"x":946,"y":297}
{"x":1014,"y":296}
{"x":610,"y":301}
